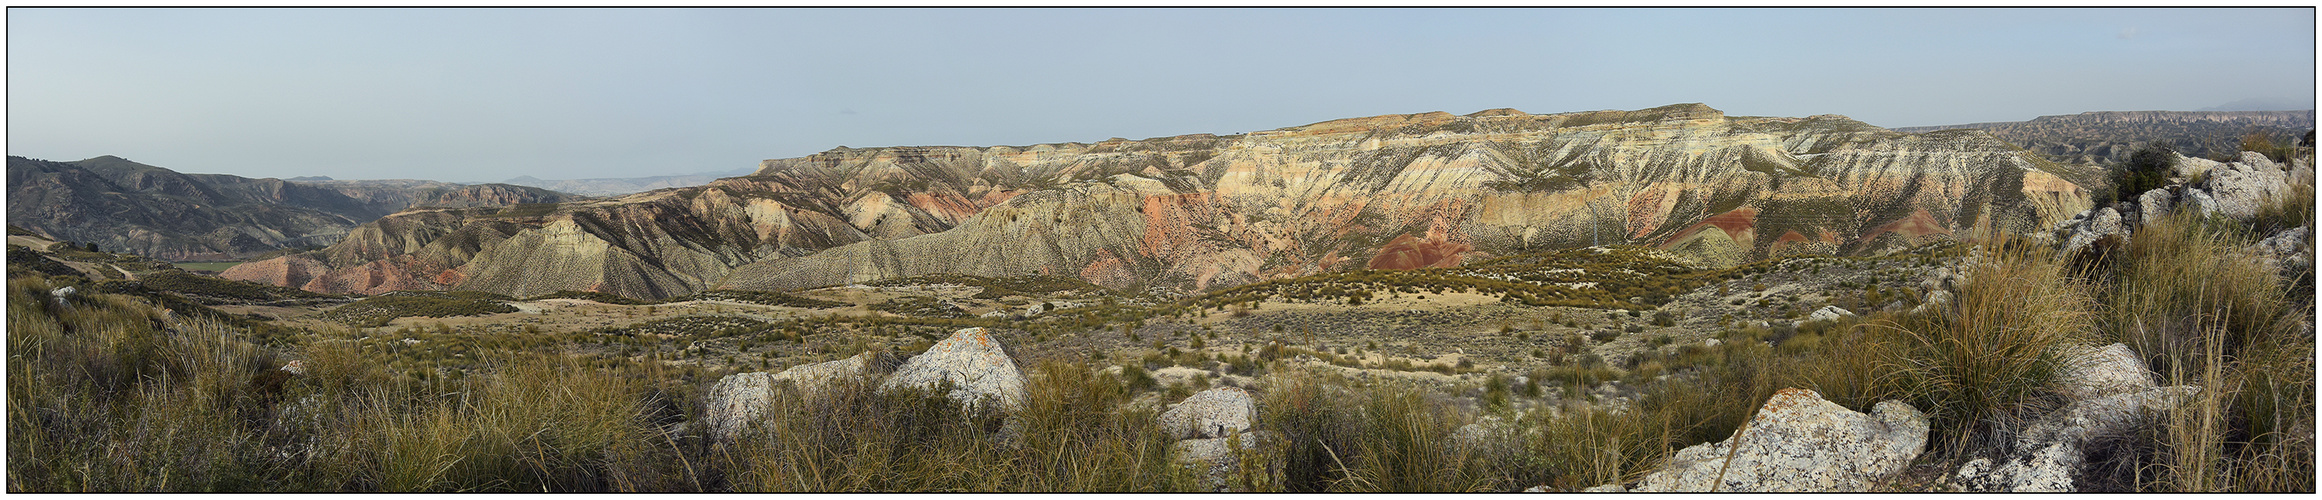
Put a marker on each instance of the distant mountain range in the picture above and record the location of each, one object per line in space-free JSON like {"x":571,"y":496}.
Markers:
{"x":129,"y":207}
{"x":625,"y":185}
{"x":2104,"y":137}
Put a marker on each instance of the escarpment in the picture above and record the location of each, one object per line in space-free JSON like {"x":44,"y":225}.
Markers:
{"x":1197,"y":212}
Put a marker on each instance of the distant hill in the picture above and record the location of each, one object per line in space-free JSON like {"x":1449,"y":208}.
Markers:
{"x":625,"y":185}
{"x":2103,"y":137}
{"x":131,"y":207}
{"x":1204,"y":212}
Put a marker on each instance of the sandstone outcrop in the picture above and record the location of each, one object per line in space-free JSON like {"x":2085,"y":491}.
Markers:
{"x":979,"y":371}
{"x":1798,"y":442}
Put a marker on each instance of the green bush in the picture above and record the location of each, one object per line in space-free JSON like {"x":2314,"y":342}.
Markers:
{"x":2146,"y":169}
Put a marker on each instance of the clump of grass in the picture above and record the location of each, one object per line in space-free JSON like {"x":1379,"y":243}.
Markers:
{"x":1986,"y":364}
{"x":2231,"y":327}
{"x":1073,"y":435}
{"x":1382,"y":438}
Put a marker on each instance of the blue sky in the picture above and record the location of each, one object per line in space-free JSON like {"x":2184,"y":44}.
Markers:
{"x":488,"y":94}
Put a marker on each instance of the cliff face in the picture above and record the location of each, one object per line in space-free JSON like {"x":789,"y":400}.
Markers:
{"x":1197,"y":212}
{"x":129,"y":207}
{"x":1200,"y":211}
{"x":2106,"y":137}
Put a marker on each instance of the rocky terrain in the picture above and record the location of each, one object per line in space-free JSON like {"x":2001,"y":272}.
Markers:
{"x":2106,"y":137}
{"x":1606,"y":368}
{"x":1199,"y":212}
{"x":948,"y":319}
{"x":131,"y":207}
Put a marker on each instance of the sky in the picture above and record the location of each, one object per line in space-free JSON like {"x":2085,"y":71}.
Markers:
{"x":481,"y":95}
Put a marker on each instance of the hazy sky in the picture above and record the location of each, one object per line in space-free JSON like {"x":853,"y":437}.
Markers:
{"x":485,"y":95}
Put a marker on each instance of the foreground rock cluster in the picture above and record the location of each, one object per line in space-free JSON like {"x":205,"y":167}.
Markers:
{"x":1798,"y":442}
{"x":1209,"y":425}
{"x":2235,"y":190}
{"x":2109,"y":392}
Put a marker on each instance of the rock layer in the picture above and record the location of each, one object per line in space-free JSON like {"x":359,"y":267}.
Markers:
{"x":1199,"y":212}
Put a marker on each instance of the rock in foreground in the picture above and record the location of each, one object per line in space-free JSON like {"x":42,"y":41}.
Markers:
{"x":1800,"y":442}
{"x":743,"y":398}
{"x":1212,"y":413}
{"x":978,"y":368}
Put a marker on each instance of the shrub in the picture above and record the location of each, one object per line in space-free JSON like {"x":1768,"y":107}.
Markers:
{"x":2146,"y":169}
{"x":1986,"y":365}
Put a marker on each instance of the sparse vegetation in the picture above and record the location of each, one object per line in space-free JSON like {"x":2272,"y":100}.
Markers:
{"x":377,"y":310}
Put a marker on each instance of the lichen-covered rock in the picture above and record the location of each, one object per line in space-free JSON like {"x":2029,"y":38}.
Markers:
{"x":2239,"y":188}
{"x":2286,"y":252}
{"x":742,"y":398}
{"x":981,"y":374}
{"x":2155,"y":205}
{"x":2190,"y":167}
{"x":2105,"y":222}
{"x":1212,"y":413}
{"x":1219,"y":467}
{"x":2099,"y":372}
{"x":2047,"y":470}
{"x":1799,"y":442}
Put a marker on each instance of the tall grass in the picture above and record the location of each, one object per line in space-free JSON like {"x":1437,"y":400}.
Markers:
{"x":1986,"y":364}
{"x":1386,"y":437}
{"x":2203,"y":316}
{"x":1075,"y":434}
{"x":103,"y":396}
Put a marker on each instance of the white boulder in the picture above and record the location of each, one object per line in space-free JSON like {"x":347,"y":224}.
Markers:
{"x":1213,"y":413}
{"x":977,"y":367}
{"x":1799,"y":442}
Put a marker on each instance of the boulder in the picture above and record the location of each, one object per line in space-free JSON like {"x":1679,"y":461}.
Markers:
{"x":2048,"y":470}
{"x":1935,"y":301}
{"x":742,"y":398}
{"x":2106,"y":222}
{"x":2199,"y":201}
{"x":1213,"y":413}
{"x":2239,"y":188}
{"x":2097,"y":372}
{"x":62,"y":296}
{"x":978,"y":368}
{"x":2109,"y":392}
{"x":2190,"y":167}
{"x":2155,"y":205}
{"x":2286,"y":252}
{"x":1799,"y":442}
{"x":1829,"y":313}
{"x":1216,"y":463}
